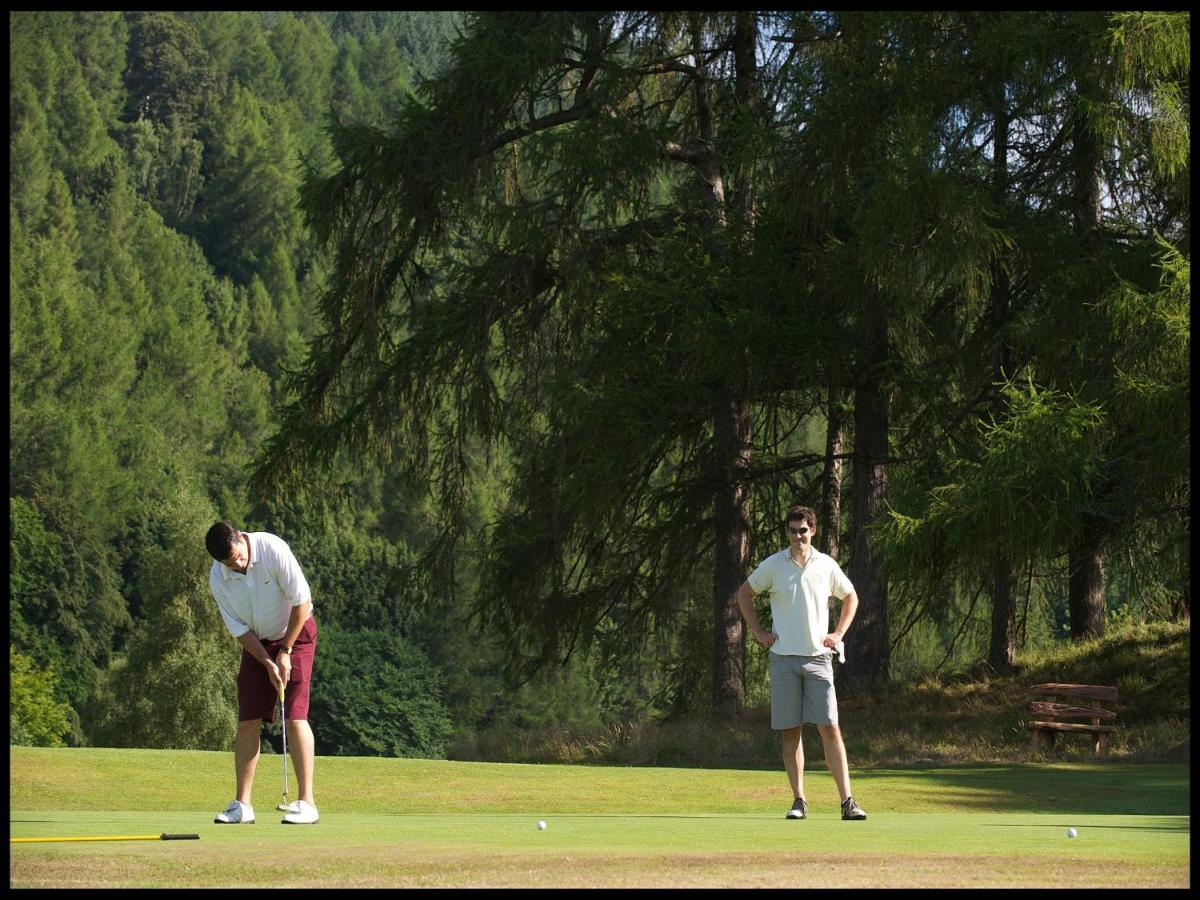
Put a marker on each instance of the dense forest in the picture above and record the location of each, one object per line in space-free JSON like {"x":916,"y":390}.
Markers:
{"x":525,"y":329}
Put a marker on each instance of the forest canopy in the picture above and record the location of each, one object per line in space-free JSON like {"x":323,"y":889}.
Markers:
{"x":525,"y":329}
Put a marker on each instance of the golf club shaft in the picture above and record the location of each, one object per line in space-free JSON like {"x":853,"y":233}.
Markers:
{"x":125,"y":837}
{"x":283,"y":728}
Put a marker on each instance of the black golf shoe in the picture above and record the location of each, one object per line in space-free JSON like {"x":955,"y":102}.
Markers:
{"x":851,"y":810}
{"x":799,"y":809}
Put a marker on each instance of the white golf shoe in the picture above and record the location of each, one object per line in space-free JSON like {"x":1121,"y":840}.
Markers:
{"x":236,"y":813}
{"x":305,"y":814}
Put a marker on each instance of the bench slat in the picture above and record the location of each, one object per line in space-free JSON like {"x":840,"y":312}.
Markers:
{"x":1046,"y":709}
{"x":1100,"y":692}
{"x":1070,"y":726}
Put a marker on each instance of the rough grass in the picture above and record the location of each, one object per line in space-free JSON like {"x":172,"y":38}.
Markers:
{"x":976,"y":716}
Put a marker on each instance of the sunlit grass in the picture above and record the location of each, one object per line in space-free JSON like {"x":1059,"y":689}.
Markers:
{"x":423,"y":823}
{"x":115,"y":780}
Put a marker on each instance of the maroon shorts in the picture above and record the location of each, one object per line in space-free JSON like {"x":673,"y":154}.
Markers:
{"x":256,"y":695}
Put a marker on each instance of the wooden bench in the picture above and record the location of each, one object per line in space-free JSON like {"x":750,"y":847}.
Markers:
{"x":1053,"y":706}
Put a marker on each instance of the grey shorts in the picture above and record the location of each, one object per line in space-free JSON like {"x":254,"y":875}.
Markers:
{"x":802,"y":691}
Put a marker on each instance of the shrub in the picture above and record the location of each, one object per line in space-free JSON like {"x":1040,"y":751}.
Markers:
{"x":35,"y":718}
{"x":376,"y":694}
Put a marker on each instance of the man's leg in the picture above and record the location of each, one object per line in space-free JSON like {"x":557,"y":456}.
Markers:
{"x":301,"y":748}
{"x":835,"y":758}
{"x":245,"y":756}
{"x":793,"y":759}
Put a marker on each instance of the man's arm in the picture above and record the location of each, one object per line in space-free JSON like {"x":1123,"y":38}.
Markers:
{"x":254,"y":647}
{"x":296,"y":619}
{"x":745,"y":602}
{"x":849,"y":608}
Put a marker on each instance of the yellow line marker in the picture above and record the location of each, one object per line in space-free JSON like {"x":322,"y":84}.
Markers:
{"x":126,"y":837}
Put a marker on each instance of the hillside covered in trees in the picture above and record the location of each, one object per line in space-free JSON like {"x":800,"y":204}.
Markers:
{"x":525,"y":329}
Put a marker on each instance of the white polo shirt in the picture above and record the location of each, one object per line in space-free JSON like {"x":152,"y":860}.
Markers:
{"x":800,"y":599}
{"x":260,"y":600}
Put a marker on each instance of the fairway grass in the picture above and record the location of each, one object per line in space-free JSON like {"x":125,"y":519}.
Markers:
{"x":430,"y":823}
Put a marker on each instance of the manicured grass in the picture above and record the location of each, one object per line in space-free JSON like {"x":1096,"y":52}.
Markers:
{"x":389,"y":822}
{"x":577,"y":850}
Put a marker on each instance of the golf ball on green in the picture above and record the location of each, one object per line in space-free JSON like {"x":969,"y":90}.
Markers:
{"x":541,"y":826}
{"x":1071,"y":832}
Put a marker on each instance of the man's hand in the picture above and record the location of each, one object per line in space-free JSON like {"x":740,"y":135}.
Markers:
{"x":832,"y":640}
{"x":766,"y":638}
{"x":284,"y":662}
{"x":279,"y":670}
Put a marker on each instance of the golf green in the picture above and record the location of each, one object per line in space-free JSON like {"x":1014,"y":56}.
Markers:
{"x":414,"y":823}
{"x":702,"y":850}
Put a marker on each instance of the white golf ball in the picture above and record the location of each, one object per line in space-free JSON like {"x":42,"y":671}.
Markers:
{"x":541,"y":826}
{"x":1071,"y":832}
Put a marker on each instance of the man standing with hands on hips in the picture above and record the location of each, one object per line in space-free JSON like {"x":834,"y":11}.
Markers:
{"x":266,"y":604}
{"x":800,"y":580}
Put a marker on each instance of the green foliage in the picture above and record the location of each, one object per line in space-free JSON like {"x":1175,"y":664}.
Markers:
{"x":552,"y":316}
{"x":65,"y":610}
{"x":36,"y":557}
{"x":170,"y":75}
{"x":1038,"y":465}
{"x":35,"y":717}
{"x":175,"y":685}
{"x":137,"y":371}
{"x":376,"y":694}
{"x":1149,"y":331}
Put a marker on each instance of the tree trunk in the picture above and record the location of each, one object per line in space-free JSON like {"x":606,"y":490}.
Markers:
{"x":831,"y":481}
{"x":1183,"y":600}
{"x":732,"y":555}
{"x":1003,"y":643}
{"x":745,"y":47}
{"x":1085,"y":579}
{"x":868,"y":641}
{"x":731,"y":419}
{"x":1003,"y":647}
{"x":1086,"y":560}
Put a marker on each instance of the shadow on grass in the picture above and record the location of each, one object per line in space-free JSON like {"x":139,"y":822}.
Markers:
{"x":1182,"y":827}
{"x":1104,"y":789}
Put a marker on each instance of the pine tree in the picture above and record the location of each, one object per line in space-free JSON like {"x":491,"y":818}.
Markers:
{"x":594,"y":187}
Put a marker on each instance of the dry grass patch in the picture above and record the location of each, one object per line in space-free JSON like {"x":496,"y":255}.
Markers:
{"x":385,"y":867}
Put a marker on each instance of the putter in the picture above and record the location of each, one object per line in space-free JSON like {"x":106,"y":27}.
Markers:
{"x":283,"y":805}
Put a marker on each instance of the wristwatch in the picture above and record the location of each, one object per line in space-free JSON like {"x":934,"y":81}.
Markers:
{"x":285,"y":649}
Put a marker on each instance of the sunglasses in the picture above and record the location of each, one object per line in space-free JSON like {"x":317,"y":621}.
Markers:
{"x":798,"y":532}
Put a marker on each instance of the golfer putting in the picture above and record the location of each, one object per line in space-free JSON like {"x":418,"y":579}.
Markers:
{"x":266,"y":604}
{"x":800,"y":579}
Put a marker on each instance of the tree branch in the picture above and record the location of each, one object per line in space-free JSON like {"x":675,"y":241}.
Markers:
{"x":580,"y":110}
{"x":694,"y":152}
{"x":811,"y":39}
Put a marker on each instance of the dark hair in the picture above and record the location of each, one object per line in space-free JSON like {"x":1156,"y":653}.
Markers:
{"x":803,"y":513}
{"x":219,"y":541}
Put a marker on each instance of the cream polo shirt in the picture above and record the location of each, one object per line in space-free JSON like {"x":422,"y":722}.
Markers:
{"x":260,"y":600}
{"x":800,"y":599}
